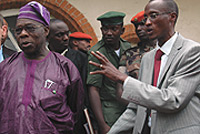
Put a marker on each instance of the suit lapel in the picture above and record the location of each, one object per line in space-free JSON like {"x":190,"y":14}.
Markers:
{"x":146,"y":68}
{"x":147,"y":78}
{"x":151,"y":70}
{"x":175,"y":50}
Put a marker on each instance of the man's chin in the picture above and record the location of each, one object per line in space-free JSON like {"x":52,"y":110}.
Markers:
{"x":109,"y":42}
{"x":152,"y":37}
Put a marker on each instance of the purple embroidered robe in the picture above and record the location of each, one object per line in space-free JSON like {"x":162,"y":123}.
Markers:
{"x":39,"y":97}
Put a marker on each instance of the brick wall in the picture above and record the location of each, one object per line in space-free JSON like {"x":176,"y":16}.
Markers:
{"x":62,"y":9}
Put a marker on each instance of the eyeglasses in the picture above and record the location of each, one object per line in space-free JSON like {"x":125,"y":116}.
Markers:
{"x":153,"y":16}
{"x":27,"y":28}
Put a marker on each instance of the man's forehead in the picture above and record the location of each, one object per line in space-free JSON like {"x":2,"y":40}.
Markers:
{"x":154,"y":6}
{"x":26,"y":22}
{"x":59,"y":27}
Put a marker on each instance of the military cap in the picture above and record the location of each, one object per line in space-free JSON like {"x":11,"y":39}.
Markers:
{"x":138,"y":17}
{"x":111,"y":18}
{"x":80,"y":35}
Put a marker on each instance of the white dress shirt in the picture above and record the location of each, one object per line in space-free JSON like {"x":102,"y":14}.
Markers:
{"x":1,"y":53}
{"x":166,"y":49}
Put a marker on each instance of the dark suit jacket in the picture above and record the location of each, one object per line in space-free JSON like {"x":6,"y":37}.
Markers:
{"x":7,"y":52}
{"x":80,"y":61}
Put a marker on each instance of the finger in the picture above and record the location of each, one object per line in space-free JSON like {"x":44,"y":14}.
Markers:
{"x":94,"y":63}
{"x":102,"y":56}
{"x":97,"y":72}
{"x":99,"y":57}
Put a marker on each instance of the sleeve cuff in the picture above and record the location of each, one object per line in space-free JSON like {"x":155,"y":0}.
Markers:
{"x":125,"y":82}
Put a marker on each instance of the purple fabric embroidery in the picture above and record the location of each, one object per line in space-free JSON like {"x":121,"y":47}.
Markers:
{"x":28,"y":86}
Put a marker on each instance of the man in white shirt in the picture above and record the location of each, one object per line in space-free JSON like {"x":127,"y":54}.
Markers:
{"x":174,"y":98}
{"x":4,"y":51}
{"x":2,"y":31}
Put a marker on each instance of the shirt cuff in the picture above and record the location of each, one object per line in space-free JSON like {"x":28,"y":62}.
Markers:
{"x":125,"y":81}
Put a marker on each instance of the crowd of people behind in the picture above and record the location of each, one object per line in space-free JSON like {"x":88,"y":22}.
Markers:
{"x":151,"y":87}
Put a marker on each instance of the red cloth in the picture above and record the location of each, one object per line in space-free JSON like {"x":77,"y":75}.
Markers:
{"x":138,"y":17}
{"x":157,"y":61}
{"x":80,"y":35}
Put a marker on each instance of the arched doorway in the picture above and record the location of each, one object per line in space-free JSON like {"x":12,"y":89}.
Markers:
{"x":59,"y":9}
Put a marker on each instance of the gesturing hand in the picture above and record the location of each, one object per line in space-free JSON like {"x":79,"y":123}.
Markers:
{"x":107,"y":68}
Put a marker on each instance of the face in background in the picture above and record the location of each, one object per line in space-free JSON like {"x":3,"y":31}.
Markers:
{"x":111,"y":34}
{"x":58,"y":37}
{"x":141,"y":31}
{"x":83,"y":45}
{"x":31,"y":36}
{"x":159,"y":21}
{"x":5,"y":31}
{"x":1,"y":34}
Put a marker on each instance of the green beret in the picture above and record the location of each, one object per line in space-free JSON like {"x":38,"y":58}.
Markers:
{"x":111,"y":18}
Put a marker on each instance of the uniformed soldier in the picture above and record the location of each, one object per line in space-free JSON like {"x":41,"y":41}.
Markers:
{"x":80,"y":41}
{"x":102,"y":91}
{"x":132,"y":57}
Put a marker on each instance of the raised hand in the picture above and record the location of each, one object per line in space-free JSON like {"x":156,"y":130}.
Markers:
{"x":107,"y":68}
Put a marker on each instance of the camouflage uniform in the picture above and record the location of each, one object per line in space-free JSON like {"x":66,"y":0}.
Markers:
{"x":131,"y":59}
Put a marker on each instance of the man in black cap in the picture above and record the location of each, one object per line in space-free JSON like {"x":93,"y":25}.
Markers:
{"x":102,"y":90}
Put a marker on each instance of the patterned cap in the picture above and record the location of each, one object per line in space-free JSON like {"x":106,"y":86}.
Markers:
{"x":112,"y":18}
{"x":138,"y":17}
{"x":80,"y":35}
{"x":35,"y":11}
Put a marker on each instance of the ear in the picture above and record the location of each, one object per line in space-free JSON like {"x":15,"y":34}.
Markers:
{"x":4,"y":31}
{"x":173,"y":17}
{"x":75,"y":42}
{"x":46,"y":29}
{"x":101,"y":30}
{"x":122,"y":31}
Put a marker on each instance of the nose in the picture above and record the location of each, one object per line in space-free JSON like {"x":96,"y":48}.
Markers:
{"x":139,"y":28}
{"x":23,"y":33}
{"x":148,"y":21}
{"x":65,"y":37}
{"x":109,"y":32}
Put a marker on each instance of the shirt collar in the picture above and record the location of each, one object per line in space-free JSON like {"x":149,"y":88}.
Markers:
{"x":167,"y":46}
{"x":1,"y":54}
{"x":66,"y":50}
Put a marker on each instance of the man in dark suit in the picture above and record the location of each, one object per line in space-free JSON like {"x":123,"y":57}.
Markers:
{"x":173,"y":96}
{"x":58,"y":39}
{"x":4,"y":51}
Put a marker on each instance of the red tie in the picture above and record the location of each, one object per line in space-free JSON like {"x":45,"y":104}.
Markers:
{"x":157,"y":62}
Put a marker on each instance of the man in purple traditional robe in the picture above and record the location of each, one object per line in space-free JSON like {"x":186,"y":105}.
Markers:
{"x":41,"y":91}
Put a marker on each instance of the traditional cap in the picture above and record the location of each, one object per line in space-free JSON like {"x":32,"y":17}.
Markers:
{"x":111,"y":18}
{"x":35,"y":11}
{"x":80,"y":35}
{"x":138,"y":17}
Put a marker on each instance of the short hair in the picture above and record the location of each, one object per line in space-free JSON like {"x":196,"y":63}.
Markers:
{"x":171,"y":6}
{"x":53,"y":21}
{"x":1,"y":20}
